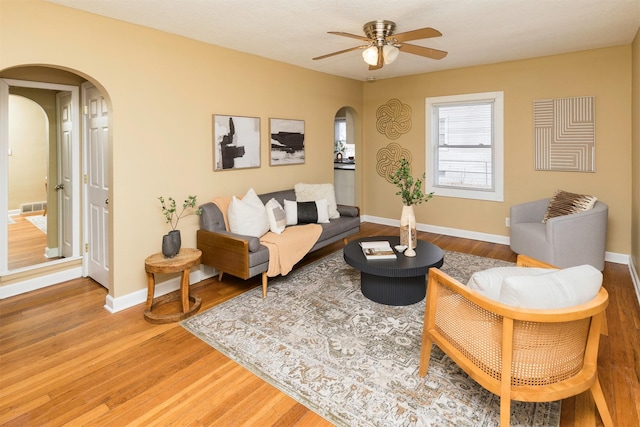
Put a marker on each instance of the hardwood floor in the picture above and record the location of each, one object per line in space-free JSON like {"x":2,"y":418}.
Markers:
{"x":26,"y":242}
{"x":65,"y":360}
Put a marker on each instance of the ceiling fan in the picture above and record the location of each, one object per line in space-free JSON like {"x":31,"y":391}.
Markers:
{"x":383,"y":46}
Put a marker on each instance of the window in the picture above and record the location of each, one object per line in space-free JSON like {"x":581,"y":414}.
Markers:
{"x":464,"y":146}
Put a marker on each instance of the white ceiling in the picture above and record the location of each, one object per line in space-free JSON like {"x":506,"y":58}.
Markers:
{"x":474,"y":31}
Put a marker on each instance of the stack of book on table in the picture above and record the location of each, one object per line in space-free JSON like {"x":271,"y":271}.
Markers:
{"x":377,"y":250}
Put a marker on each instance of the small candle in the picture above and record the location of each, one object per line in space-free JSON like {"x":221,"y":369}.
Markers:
{"x":410,"y":252}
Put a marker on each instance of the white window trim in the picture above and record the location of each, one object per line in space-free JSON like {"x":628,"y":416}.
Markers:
{"x":497,"y":195}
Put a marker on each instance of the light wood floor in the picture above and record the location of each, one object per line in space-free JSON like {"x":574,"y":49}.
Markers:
{"x":27,"y":243}
{"x":65,"y":360}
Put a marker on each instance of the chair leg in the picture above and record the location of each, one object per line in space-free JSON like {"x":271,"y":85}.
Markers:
{"x":505,"y":411}
{"x":601,"y":403}
{"x":425,"y":355}
{"x":220,"y":276}
{"x":264,"y":284}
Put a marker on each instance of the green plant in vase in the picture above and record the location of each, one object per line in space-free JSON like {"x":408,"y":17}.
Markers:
{"x":410,"y":191}
{"x":172,"y":241}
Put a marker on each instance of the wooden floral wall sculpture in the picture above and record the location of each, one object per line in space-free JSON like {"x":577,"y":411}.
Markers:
{"x":393,"y":119}
{"x":388,"y":157}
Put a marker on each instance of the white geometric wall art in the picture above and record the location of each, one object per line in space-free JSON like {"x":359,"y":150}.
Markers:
{"x":564,"y":134}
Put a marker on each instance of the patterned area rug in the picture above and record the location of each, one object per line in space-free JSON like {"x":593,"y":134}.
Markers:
{"x":351,"y":360}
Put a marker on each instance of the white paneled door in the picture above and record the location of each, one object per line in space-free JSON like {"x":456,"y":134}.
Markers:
{"x":65,"y":184}
{"x":96,"y":119}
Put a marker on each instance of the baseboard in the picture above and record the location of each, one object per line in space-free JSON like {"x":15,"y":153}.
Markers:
{"x":634,"y":278}
{"x":473,"y":235}
{"x":113,"y":305}
{"x":40,"y":282}
{"x":51,"y":252}
{"x":466,"y":234}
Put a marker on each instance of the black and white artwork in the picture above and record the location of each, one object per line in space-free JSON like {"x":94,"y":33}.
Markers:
{"x":287,"y":141}
{"x":236,"y":142}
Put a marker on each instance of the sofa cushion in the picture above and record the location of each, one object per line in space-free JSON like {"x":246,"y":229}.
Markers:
{"x":557,"y":289}
{"x":306,"y":212}
{"x":279,"y":195}
{"x":248,"y":215}
{"x":489,"y":282}
{"x":313,"y":192}
{"x":565,"y":203}
{"x":276,"y":215}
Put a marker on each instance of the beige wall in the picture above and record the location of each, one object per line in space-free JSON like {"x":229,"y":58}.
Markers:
{"x":635,"y":170}
{"x":163,"y":89}
{"x":604,"y":73}
{"x":28,"y":141}
{"x":162,"y":92}
{"x":46,"y":99}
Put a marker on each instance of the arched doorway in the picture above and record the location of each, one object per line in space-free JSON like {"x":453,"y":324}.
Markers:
{"x":344,"y":166}
{"x":66,"y":193}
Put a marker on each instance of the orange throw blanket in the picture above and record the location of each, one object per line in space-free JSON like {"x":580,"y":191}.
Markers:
{"x":285,"y":249}
{"x":223,"y":204}
{"x":289,"y":247}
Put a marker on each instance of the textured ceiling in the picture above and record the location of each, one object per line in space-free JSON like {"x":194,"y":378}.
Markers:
{"x":474,"y":31}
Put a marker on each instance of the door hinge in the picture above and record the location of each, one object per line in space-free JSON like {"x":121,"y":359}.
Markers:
{"x":86,"y":247}
{"x":86,"y":178}
{"x":85,"y":110}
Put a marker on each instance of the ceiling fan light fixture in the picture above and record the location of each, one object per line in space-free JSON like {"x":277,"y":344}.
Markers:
{"x":389,"y":53}
{"x":370,"y":55}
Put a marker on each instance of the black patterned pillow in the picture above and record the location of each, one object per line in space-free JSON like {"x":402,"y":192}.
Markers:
{"x":306,"y":212}
{"x":565,"y":203}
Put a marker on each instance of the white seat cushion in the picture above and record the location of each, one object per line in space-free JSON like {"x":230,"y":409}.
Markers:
{"x":489,"y":282}
{"x":557,"y":289}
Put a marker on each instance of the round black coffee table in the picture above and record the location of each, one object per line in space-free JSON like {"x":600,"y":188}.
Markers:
{"x":399,"y":281}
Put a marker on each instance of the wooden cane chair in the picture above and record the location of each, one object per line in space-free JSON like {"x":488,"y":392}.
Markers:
{"x":520,"y":354}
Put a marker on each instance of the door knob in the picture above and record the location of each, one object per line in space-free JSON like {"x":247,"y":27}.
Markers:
{"x":106,"y":201}
{"x":59,"y":187}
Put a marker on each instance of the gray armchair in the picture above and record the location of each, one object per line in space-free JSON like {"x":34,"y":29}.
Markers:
{"x":564,"y":241}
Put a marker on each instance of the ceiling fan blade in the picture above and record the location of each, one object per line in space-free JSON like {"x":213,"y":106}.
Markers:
{"x":422,"y":51}
{"x":339,"y":52}
{"x":422,"y":33}
{"x":353,"y":36}
{"x":380,"y":62}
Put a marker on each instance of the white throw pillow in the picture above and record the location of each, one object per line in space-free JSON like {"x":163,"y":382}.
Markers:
{"x":561,"y":288}
{"x":313,"y":192}
{"x":276,"y":215}
{"x":306,"y":212}
{"x":489,"y":282}
{"x":248,"y":216}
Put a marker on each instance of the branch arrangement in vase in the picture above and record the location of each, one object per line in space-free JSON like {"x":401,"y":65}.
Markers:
{"x":409,"y":189}
{"x":169,"y":210}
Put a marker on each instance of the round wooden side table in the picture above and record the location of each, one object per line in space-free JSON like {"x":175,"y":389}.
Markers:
{"x":182,"y":262}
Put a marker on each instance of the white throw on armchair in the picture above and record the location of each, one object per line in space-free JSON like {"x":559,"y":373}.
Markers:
{"x":564,"y":241}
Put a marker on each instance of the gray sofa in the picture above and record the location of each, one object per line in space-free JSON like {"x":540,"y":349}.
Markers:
{"x":563,"y":241}
{"x":244,"y":256}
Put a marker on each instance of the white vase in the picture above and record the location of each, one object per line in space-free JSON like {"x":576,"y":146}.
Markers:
{"x":408,"y":221}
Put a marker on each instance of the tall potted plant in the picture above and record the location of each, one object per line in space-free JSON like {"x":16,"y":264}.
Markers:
{"x":410,"y":191}
{"x":172,"y":241}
